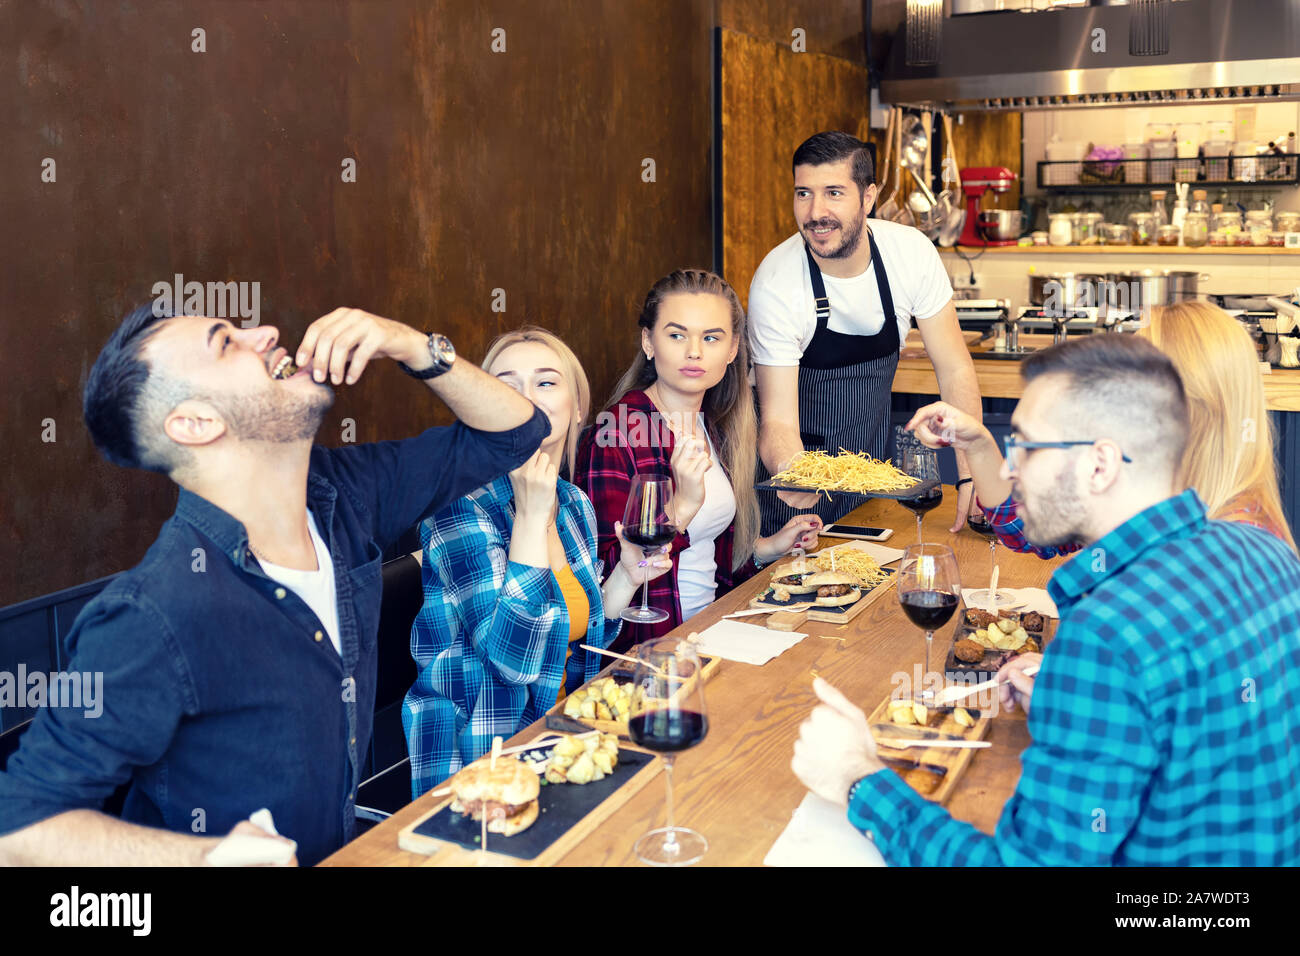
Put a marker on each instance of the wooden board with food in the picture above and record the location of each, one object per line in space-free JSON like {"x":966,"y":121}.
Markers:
{"x":983,"y":642}
{"x":605,"y":702}
{"x":538,"y":806}
{"x":932,"y":772}
{"x":833,"y":590}
{"x":848,"y":473}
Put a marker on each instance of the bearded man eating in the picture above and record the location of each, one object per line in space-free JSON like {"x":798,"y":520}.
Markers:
{"x":239,"y":656}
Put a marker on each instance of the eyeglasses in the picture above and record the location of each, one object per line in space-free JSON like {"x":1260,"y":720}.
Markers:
{"x":1016,"y":448}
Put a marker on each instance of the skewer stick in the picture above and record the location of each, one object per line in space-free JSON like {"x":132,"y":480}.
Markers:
{"x":496,"y":751}
{"x":621,"y":657}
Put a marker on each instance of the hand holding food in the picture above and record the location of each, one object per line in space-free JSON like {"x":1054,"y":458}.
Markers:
{"x":940,"y":425}
{"x":689,"y":461}
{"x":534,"y":486}
{"x":834,"y":747}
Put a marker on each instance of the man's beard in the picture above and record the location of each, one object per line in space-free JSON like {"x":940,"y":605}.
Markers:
{"x":852,"y":235}
{"x":1055,"y":516}
{"x":277,"y":416}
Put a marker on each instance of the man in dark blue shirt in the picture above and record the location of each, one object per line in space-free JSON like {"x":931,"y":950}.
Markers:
{"x":239,"y":656}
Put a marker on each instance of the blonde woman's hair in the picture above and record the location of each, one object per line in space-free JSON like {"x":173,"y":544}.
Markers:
{"x":570,"y":367}
{"x":728,"y":406}
{"x":1230,"y":442}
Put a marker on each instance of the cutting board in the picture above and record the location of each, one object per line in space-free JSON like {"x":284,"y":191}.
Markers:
{"x":952,"y":763}
{"x":567,"y":813}
{"x":828,"y":615}
{"x":622,"y":672}
{"x":987,"y":667}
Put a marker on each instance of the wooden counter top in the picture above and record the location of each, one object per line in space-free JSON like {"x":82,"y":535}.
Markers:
{"x":737,"y":787}
{"x":1000,"y":378}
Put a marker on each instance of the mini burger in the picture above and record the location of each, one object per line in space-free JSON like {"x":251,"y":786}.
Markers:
{"x":508,"y":794}
{"x":834,"y":588}
{"x":789,"y":583}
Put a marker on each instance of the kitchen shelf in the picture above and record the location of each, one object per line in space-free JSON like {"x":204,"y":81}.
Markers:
{"x":970,"y":251}
{"x":1270,"y":171}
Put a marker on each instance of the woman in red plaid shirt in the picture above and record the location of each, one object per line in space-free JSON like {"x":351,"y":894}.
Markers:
{"x":685,"y":408}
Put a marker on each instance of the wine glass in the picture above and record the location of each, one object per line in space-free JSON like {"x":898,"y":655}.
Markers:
{"x":668,"y":715}
{"x":922,"y":463}
{"x":981,"y":526}
{"x":929,"y":588}
{"x":648,"y":525}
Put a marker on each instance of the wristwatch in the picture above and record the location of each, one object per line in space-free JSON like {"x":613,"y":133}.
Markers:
{"x":443,"y":354}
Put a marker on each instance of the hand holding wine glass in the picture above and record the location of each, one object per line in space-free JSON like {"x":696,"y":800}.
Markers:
{"x":647,"y":523}
{"x":668,"y":717}
{"x":929,"y":589}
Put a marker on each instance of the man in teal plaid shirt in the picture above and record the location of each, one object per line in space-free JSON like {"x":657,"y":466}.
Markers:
{"x":1163,"y":732}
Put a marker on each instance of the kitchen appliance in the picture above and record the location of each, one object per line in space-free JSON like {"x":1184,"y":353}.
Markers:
{"x":1227,"y":51}
{"x":1144,"y":288}
{"x":976,"y":183}
{"x":1077,"y":321}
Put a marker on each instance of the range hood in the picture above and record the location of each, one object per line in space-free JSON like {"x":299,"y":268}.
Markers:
{"x":1219,"y":50}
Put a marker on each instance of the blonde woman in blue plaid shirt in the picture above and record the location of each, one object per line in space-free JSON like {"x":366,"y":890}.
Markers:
{"x":511,"y":582}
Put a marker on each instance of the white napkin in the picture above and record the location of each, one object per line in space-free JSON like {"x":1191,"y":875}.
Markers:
{"x":745,"y":643}
{"x":239,"y":849}
{"x":1030,"y":599}
{"x":819,"y":834}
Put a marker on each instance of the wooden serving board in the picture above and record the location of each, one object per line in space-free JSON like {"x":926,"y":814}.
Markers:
{"x":622,"y":671}
{"x":953,"y":762}
{"x":828,"y":615}
{"x":987,"y":667}
{"x":567,"y":814}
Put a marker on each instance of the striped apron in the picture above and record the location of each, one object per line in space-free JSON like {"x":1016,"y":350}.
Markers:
{"x":844,"y":387}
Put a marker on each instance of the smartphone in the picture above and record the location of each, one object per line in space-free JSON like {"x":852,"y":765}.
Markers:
{"x":856,"y":531}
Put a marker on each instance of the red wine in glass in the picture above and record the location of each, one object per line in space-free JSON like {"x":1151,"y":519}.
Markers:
{"x":929,"y":610}
{"x":648,"y":524}
{"x":668,"y":717}
{"x":668,"y":731}
{"x":921,"y":463}
{"x":929,"y":588}
{"x":651,"y":538}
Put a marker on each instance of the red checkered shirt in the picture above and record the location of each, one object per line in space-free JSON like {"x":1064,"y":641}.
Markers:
{"x":629,"y":438}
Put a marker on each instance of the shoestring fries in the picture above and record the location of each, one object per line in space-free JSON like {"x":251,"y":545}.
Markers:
{"x":847,"y":471}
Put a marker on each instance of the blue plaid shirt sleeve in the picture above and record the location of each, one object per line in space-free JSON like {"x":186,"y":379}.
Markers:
{"x":1082,"y":780}
{"x":1010,"y":529}
{"x":507,"y":608}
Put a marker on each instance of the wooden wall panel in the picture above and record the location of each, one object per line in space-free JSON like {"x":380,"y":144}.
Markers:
{"x":772,"y":100}
{"x":476,"y":171}
{"x":833,"y":27}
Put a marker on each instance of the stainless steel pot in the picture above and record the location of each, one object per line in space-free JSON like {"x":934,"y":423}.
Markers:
{"x":1073,"y":290}
{"x":1000,"y":224}
{"x":1147,"y":287}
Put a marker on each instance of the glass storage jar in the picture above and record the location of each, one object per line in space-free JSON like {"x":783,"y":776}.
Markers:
{"x":1258,"y":224}
{"x":1168,"y":235}
{"x":1196,"y":229}
{"x":1060,"y":230}
{"x":1142,"y":228}
{"x":1287,"y":222}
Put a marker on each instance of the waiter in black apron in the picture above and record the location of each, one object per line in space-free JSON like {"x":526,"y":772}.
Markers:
{"x":832,"y":390}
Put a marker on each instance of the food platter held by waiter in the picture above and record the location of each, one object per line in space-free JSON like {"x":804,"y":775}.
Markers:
{"x":824,"y":354}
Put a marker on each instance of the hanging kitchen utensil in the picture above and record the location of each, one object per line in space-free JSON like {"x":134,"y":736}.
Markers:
{"x":951,"y":213}
{"x":921,"y":203}
{"x":886,"y":200}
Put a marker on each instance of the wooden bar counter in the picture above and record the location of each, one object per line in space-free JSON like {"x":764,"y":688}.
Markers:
{"x":737,"y":787}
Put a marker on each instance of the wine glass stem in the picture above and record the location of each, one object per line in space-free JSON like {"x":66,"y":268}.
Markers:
{"x":929,"y":636}
{"x":993,"y":559}
{"x":918,"y":530}
{"x":670,"y":841}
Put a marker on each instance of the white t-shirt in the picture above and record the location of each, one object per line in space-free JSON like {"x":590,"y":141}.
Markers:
{"x":783,"y":319}
{"x":316,"y":588}
{"x":697,"y":568}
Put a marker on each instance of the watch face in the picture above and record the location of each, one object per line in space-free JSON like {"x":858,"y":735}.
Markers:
{"x":444,"y":350}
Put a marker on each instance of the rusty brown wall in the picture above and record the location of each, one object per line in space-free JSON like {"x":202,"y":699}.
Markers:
{"x":475,"y":171}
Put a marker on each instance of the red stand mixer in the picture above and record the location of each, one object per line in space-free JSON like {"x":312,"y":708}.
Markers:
{"x":988,"y":227}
